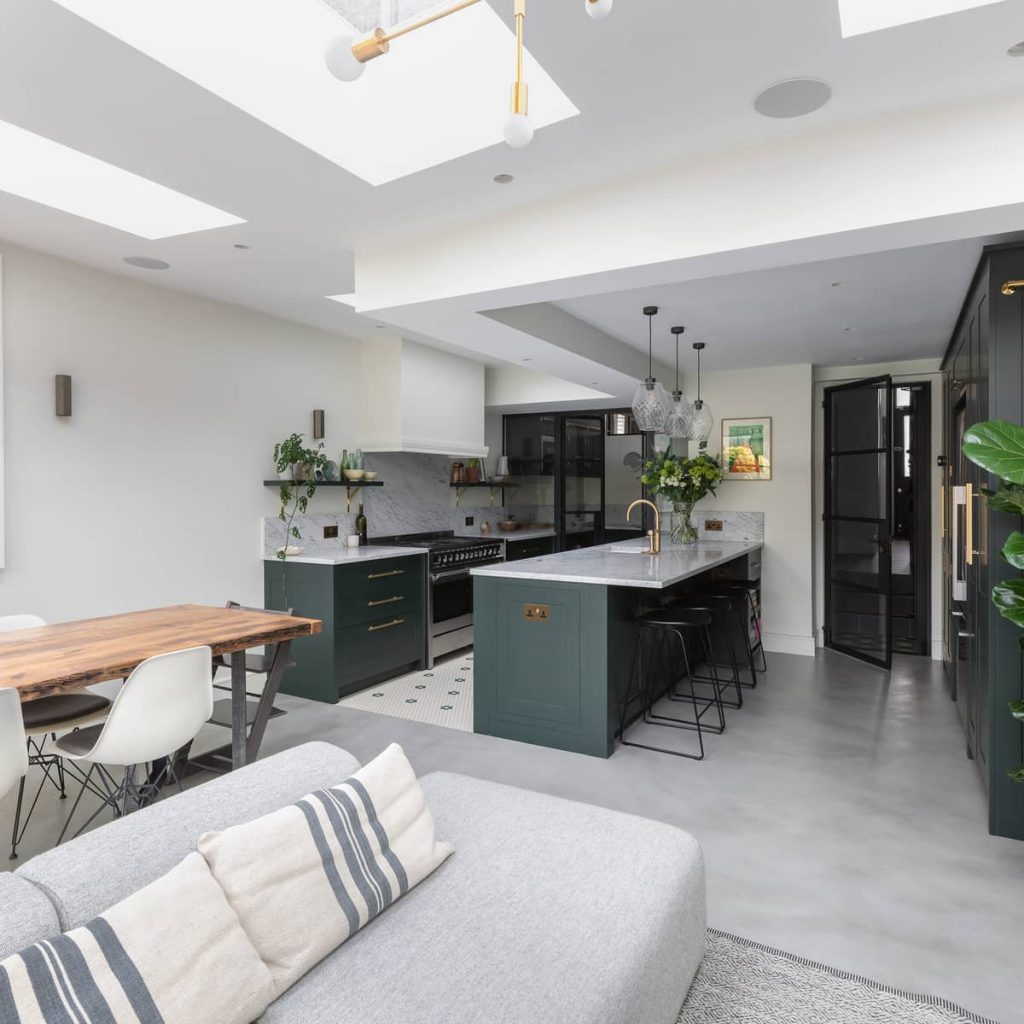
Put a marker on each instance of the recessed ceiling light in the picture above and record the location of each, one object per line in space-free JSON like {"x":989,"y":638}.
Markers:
{"x":795,"y":97}
{"x":240,"y":245}
{"x":504,"y":179}
{"x":860,"y":16}
{"x":527,"y":359}
{"x":837,"y":284}
{"x":146,"y":262}
{"x":850,"y":330}
{"x":55,"y":175}
{"x":415,"y":106}
{"x":1017,"y":50}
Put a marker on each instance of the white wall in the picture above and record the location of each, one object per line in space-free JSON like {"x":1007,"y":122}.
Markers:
{"x":910,"y":371}
{"x":784,"y":393}
{"x":150,"y":494}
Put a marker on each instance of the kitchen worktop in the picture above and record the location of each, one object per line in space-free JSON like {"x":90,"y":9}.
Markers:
{"x":346,"y":556}
{"x":622,"y":564}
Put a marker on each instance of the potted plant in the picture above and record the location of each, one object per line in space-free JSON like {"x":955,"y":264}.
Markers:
{"x":473,"y":471}
{"x":683,"y":482}
{"x":296,"y":465}
{"x":998,"y":448}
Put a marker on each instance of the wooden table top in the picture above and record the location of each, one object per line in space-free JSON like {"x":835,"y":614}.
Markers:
{"x":53,"y":659}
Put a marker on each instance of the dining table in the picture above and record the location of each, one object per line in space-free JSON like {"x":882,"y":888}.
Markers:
{"x":60,"y":658}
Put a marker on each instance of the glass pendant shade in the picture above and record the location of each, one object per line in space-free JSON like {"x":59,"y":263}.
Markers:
{"x":702,"y":422}
{"x":651,"y":405}
{"x":678,"y":424}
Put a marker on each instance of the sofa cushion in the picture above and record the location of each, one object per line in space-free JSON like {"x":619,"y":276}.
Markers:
{"x":550,"y":911}
{"x":306,"y":877}
{"x":104,"y":866}
{"x":26,"y":914}
{"x":172,"y":953}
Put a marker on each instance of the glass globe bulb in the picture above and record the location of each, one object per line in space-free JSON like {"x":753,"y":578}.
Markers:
{"x":341,"y":61}
{"x":518,"y":131}
{"x":598,"y":9}
{"x":651,"y":405}
{"x":679,"y":424}
{"x":702,"y":422}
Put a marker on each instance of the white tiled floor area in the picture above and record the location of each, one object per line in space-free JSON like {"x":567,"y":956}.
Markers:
{"x":442,"y":695}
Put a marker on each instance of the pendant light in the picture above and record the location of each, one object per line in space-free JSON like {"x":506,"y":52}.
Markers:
{"x":651,"y":402}
{"x":679,"y":424}
{"x":518,"y":127}
{"x":701,"y":423}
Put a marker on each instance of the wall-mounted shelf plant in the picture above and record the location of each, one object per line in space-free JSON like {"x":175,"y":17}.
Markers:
{"x":460,"y":489}
{"x":351,"y":487}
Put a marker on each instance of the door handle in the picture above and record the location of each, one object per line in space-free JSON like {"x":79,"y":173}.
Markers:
{"x":969,"y":540}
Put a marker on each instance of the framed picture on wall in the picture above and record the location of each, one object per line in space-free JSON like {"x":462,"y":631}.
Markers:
{"x":747,"y":448}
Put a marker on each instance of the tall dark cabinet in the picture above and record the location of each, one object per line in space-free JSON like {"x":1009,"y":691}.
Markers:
{"x":984,"y":367}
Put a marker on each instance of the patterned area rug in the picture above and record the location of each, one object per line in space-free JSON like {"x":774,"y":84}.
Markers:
{"x":441,"y":696}
{"x":744,"y":983}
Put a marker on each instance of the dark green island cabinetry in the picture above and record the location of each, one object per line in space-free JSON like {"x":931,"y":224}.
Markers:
{"x":374,"y":613}
{"x":555,"y":635}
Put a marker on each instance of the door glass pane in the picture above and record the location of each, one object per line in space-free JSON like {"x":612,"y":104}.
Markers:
{"x":859,"y":486}
{"x":859,"y":620}
{"x":860,"y":419}
{"x":856,"y":555}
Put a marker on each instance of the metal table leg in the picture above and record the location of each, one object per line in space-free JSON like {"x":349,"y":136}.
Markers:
{"x":266,"y":704}
{"x":239,"y":751}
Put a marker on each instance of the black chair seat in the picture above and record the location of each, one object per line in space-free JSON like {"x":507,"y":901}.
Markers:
{"x":79,"y":742}
{"x":66,"y":707}
{"x":676,"y":615}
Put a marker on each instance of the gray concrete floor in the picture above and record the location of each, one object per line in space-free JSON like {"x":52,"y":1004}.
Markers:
{"x":839,"y":818}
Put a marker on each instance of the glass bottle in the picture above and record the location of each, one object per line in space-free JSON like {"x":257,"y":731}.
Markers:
{"x":361,"y":524}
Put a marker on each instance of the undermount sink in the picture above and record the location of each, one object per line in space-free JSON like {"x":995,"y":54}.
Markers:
{"x":632,"y":548}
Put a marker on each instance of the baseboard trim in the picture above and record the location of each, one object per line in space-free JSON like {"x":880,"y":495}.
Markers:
{"x":785,"y":643}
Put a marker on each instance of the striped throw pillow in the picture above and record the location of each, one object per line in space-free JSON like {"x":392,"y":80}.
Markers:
{"x":171,"y":953}
{"x":306,"y":877}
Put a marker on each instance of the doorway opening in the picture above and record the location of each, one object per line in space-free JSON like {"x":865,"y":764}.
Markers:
{"x":877,"y":519}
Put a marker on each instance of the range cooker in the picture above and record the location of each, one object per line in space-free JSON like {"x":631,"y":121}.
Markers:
{"x":450,"y":586}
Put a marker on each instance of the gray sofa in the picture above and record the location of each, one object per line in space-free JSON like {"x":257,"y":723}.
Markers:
{"x":549,"y":911}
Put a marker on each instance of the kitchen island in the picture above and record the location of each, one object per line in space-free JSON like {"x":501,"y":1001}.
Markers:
{"x":555,"y":635}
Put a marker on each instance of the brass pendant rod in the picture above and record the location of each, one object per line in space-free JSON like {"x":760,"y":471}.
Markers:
{"x":429,"y":19}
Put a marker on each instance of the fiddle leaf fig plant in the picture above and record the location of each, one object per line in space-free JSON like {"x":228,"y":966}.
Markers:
{"x":998,"y":447}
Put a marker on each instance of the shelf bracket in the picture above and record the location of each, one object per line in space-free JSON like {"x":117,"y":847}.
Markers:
{"x":348,"y":495}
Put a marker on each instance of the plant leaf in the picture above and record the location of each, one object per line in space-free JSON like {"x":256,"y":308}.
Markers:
{"x":1017,"y":774}
{"x":1017,"y":709}
{"x":1009,"y":498}
{"x":1013,"y":549}
{"x":998,"y":447}
{"x":1008,"y":597}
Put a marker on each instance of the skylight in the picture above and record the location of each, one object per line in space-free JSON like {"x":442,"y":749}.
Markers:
{"x":441,"y":92}
{"x":860,"y":16}
{"x":55,"y":175}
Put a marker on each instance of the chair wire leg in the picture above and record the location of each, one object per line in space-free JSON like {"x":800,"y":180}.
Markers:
{"x":74,"y":806}
{"x":15,"y":838}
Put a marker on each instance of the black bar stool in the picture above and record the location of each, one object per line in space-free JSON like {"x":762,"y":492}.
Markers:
{"x":664,"y":624}
{"x":742,"y":594}
{"x":720,"y":607}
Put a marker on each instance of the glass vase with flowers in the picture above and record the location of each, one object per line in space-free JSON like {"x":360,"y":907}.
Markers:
{"x":683,"y":482}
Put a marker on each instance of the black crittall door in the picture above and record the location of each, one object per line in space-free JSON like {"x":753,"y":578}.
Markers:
{"x":858,"y":519}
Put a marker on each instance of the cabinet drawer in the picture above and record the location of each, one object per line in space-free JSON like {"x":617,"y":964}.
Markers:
{"x":380,"y":590}
{"x":372,"y":648}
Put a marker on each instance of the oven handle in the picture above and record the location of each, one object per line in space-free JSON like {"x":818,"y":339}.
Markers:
{"x":455,"y":574}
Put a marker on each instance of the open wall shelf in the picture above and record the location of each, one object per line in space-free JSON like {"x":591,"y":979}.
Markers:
{"x":351,"y":486}
{"x":460,"y":489}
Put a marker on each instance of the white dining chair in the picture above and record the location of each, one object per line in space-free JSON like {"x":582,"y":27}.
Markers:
{"x":44,"y":718}
{"x":13,"y":751}
{"x":161,"y":707}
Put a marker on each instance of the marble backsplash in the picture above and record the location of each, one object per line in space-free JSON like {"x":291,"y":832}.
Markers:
{"x":735,"y":525}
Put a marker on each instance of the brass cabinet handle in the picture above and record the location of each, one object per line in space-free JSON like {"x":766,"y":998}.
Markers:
{"x":384,"y":600}
{"x":384,"y":625}
{"x":385,"y":575}
{"x":970,"y":549}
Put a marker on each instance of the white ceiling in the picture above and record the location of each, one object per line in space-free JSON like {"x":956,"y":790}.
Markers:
{"x":658,"y":81}
{"x":870,"y":308}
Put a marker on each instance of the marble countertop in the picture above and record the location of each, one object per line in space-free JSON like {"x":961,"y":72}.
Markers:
{"x":622,"y":565}
{"x":548,"y":531}
{"x":342,"y":556}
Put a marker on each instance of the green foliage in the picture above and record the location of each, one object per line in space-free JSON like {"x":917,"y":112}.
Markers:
{"x":682,"y":480}
{"x":291,"y":454}
{"x":998,"y":447}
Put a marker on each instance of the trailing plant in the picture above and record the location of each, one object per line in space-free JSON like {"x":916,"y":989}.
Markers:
{"x":998,"y":447}
{"x":291,"y":455}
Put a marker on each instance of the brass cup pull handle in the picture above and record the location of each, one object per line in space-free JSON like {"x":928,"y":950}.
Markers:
{"x":384,"y":600}
{"x":384,"y":625}
{"x":385,"y":575}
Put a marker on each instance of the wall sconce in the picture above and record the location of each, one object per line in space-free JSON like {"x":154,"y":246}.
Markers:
{"x":62,"y":389}
{"x":318,"y":424}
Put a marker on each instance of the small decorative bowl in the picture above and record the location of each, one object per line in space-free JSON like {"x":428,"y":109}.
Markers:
{"x":509,"y":525}
{"x":354,"y":474}
{"x":369,"y":475}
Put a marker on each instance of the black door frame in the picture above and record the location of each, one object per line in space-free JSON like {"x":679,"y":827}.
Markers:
{"x":885,"y":549}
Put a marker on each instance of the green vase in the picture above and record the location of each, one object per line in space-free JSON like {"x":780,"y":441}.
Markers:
{"x":683,"y":529}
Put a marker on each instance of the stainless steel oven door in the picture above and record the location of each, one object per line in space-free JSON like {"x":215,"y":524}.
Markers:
{"x":450,"y":612}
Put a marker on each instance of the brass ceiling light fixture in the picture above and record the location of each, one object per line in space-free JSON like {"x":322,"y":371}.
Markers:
{"x":346,"y":57}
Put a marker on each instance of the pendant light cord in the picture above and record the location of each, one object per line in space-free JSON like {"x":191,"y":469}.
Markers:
{"x":677,"y":362}
{"x":698,"y":378}
{"x":650,"y":345}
